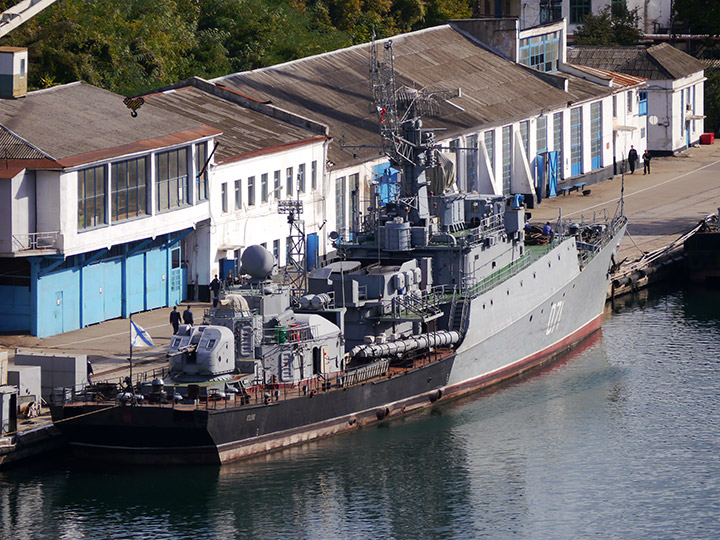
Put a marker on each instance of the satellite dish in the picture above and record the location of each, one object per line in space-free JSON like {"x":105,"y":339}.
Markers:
{"x":334,"y":235}
{"x":653,"y":120}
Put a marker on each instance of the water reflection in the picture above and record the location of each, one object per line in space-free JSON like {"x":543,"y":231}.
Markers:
{"x":618,"y":440}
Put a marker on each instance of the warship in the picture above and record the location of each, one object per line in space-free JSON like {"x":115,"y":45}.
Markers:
{"x":434,"y":294}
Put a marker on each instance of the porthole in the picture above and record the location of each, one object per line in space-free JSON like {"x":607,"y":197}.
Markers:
{"x":530,"y":318}
{"x":508,"y":292}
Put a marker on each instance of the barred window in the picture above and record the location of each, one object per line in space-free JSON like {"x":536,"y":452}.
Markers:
{"x":129,"y":189}
{"x":172,"y":179}
{"x":92,"y":197}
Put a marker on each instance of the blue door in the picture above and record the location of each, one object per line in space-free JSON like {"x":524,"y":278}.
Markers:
{"x":313,"y":245}
{"x":553,"y":159}
{"x":135,"y":278}
{"x":539,"y":176}
{"x":58,"y":313}
{"x":155,"y":279}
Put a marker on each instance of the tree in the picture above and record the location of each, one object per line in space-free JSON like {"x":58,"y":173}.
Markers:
{"x":609,"y":27}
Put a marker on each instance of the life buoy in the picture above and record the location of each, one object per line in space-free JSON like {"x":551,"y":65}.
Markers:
{"x":313,"y":392}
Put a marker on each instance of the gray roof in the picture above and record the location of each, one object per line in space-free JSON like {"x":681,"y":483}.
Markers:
{"x":244,"y":131}
{"x":79,"y":119}
{"x":335,"y":88}
{"x":657,"y":62}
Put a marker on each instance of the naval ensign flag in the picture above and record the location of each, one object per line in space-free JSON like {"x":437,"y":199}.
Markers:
{"x":139,"y":336}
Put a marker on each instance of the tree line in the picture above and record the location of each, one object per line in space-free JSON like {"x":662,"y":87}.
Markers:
{"x":133,"y":46}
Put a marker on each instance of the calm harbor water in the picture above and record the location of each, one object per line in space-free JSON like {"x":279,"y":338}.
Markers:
{"x":619,"y":440}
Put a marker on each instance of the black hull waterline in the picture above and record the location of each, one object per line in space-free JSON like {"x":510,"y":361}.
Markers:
{"x":155,"y":434}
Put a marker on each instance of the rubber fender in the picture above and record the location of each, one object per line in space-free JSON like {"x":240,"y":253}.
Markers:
{"x":382,"y":413}
{"x":435,"y":395}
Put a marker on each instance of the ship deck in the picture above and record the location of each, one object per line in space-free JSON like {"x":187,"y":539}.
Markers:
{"x":260,"y":394}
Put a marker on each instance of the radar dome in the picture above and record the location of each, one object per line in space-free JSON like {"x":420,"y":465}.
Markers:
{"x":257,"y":261}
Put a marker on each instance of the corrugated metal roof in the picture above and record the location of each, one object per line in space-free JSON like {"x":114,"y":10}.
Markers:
{"x":79,"y":118}
{"x":244,"y":132}
{"x":657,"y":62}
{"x":620,"y":79}
{"x":335,"y":89}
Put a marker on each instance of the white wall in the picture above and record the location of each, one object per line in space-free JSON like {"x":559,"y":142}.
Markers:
{"x":261,"y":223}
{"x":652,"y":13}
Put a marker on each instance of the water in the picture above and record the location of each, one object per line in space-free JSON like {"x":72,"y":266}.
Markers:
{"x":619,"y":440}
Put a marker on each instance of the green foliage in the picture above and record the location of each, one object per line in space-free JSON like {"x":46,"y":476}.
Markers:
{"x":712,"y":100}
{"x":697,"y":16}
{"x":134,"y":46}
{"x":616,"y":27}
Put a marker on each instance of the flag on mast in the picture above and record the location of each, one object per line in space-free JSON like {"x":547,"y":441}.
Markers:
{"x":139,"y":336}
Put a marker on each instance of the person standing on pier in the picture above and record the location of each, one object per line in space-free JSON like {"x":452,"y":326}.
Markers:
{"x":632,"y":159}
{"x":175,"y":319}
{"x":215,"y":288}
{"x":188,"y":316}
{"x":646,"y":162}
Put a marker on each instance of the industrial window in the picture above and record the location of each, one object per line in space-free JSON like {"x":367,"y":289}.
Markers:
{"x":238,"y":194}
{"x":541,"y":134}
{"x":576,"y":141}
{"x":596,"y":134}
{"x":629,"y":101}
{"x":489,"y":137}
{"x":524,"y":137}
{"x":550,"y":11}
{"x":129,"y":187}
{"x":471,"y":162}
{"x":354,"y":185}
{"x":264,"y":187}
{"x":313,"y":175}
{"x":541,"y":52}
{"x":618,"y":7}
{"x":224,"y":197}
{"x":92,"y":193}
{"x":172,"y":179}
{"x":277,"y":188}
{"x":276,"y":250}
{"x":251,"y":191}
{"x":558,"y":138}
{"x":201,"y":180}
{"x":614,"y":106}
{"x":642,"y":103}
{"x":301,"y":178}
{"x":289,"y":183}
{"x":340,"y":204}
{"x":506,"y":158}
{"x":578,"y":10}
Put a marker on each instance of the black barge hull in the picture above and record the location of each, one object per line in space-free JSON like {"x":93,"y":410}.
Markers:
{"x":166,"y":434}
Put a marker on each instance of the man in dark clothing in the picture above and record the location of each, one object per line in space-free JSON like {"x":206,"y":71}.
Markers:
{"x":188,"y":316}
{"x":646,"y":162}
{"x":215,"y":288}
{"x":175,"y":319}
{"x":632,"y":159}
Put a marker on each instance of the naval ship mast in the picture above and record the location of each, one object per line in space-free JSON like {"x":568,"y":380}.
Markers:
{"x":410,"y":148}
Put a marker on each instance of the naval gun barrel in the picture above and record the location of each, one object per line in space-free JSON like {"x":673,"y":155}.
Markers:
{"x":435,"y":339}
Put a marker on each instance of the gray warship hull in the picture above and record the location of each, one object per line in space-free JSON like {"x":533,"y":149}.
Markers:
{"x":523,"y":322}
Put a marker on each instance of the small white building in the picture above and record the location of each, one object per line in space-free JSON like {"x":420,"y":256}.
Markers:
{"x":675,"y":89}
{"x":654,"y":16}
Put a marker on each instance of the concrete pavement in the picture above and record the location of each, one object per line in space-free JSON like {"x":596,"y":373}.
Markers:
{"x":680,"y":191}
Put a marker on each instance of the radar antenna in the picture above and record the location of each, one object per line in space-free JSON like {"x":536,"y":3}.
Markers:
{"x":409,"y":147}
